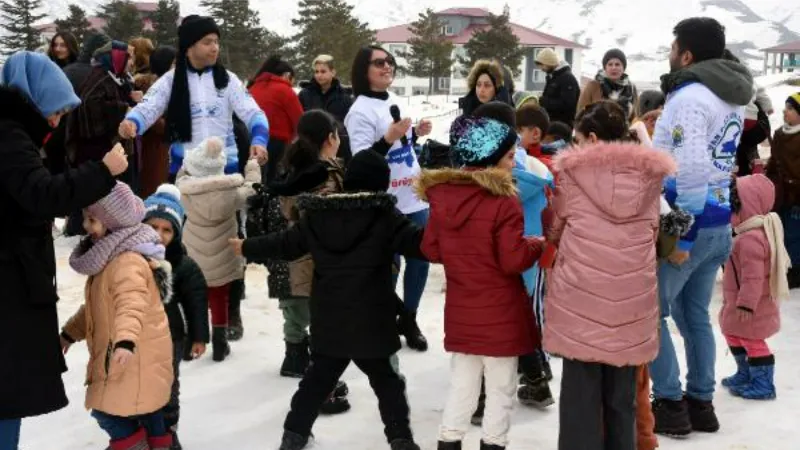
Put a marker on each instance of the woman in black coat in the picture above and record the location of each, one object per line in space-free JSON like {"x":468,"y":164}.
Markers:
{"x":35,"y":94}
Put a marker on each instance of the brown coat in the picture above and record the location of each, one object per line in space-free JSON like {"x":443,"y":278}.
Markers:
{"x":593,"y":93}
{"x":783,"y":168}
{"x":155,"y":150}
{"x":301,"y":270}
{"x":123,"y":303}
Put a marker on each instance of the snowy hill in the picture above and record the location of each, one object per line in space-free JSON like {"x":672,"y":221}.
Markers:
{"x":643,"y":29}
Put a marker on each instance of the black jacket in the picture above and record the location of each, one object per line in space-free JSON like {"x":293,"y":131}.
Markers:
{"x":31,"y":362}
{"x":188,"y":294}
{"x":560,"y":96}
{"x":78,"y":71}
{"x":352,"y":239}
{"x":336,"y":101}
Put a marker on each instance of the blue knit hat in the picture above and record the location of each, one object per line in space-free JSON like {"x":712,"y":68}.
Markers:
{"x":166,"y":204}
{"x":41,"y":81}
{"x":480,"y":141}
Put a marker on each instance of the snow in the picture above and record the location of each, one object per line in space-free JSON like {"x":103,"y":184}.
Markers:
{"x":241,"y":403}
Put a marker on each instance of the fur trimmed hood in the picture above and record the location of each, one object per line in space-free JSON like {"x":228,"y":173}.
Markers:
{"x":484,"y":66}
{"x":495,"y":181}
{"x":163,"y":276}
{"x":617,"y":155}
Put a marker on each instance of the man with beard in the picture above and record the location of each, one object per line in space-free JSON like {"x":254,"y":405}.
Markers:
{"x":701,"y":126}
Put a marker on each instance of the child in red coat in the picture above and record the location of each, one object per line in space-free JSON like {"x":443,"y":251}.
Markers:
{"x":476,"y":232}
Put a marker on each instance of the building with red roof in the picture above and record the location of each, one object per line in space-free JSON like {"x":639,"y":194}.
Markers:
{"x":460,"y":24}
{"x":785,"y":57}
{"x":146,"y":10}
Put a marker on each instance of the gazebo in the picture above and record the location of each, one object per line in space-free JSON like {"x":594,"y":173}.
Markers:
{"x":785,"y":57}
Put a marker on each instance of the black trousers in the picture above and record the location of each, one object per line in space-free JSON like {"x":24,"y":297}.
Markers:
{"x":320,"y":380}
{"x":598,"y":407}
{"x":275,"y":149}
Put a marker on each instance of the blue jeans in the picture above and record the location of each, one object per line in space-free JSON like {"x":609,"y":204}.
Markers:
{"x":124,"y":427}
{"x":9,"y":433}
{"x":685,"y":294}
{"x":416,"y":275}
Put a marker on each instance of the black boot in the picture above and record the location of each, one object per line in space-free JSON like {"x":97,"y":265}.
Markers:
{"x":293,"y":441}
{"x":408,"y":327}
{"x":672,"y":418}
{"x":403,"y":444}
{"x":449,"y":445}
{"x":235,"y":327}
{"x":794,"y":278}
{"x":296,"y":360}
{"x":341,"y":389}
{"x":334,"y":405}
{"x":535,"y":392}
{"x":702,"y":416}
{"x":485,"y":446}
{"x":219,"y":344}
{"x":477,"y":416}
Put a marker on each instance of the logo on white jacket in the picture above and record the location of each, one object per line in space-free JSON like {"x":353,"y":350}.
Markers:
{"x":723,"y":145}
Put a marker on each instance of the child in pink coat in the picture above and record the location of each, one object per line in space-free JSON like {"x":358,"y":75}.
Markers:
{"x":755,"y":279}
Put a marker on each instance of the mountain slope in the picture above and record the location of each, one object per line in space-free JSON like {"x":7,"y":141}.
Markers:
{"x":642,"y":28}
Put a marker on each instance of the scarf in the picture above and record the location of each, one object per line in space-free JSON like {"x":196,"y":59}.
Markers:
{"x":620,"y":91}
{"x":789,"y":129}
{"x":179,"y":114}
{"x":779,"y":257}
{"x":728,"y":80}
{"x":90,"y":258}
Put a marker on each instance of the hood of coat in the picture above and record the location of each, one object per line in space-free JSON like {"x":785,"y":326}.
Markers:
{"x":728,"y":80}
{"x":305,"y":180}
{"x":461,"y":192}
{"x":163,"y":278}
{"x":491,"y":68}
{"x":336,"y":86}
{"x":755,"y":194}
{"x":90,"y":45}
{"x":531,"y":185}
{"x":614,"y":175}
{"x":340,"y":222}
{"x":211,"y":198}
{"x":268,"y":78}
{"x":17,"y":108}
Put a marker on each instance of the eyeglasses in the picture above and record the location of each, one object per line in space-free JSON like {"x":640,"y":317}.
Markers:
{"x":383,"y":62}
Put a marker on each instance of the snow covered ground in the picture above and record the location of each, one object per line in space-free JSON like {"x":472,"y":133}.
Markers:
{"x":241,"y":403}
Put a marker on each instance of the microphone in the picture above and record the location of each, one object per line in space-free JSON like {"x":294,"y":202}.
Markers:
{"x":395,"y":112}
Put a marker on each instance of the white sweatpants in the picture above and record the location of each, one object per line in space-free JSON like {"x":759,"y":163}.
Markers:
{"x":466,"y":373}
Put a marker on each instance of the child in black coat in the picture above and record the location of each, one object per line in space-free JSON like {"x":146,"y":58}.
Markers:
{"x":352,"y":238}
{"x":165,"y":215}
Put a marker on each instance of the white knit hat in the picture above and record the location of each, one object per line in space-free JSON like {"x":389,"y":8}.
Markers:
{"x":548,"y":58}
{"x":207,"y":160}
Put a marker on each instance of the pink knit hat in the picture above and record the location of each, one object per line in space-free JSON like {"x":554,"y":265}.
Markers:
{"x":119,"y":209}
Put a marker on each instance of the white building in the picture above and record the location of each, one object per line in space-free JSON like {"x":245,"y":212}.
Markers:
{"x":460,"y":24}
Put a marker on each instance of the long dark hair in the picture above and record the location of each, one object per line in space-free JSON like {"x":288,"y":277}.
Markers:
{"x":313,"y":129}
{"x":72,"y":45}
{"x":359,"y":72}
{"x":275,"y":65}
{"x":607,"y":120}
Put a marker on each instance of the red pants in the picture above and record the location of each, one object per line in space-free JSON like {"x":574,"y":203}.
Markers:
{"x":218,"y":298}
{"x":754,"y":348}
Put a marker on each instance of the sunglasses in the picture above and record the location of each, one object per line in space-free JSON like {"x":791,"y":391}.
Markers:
{"x":383,"y":62}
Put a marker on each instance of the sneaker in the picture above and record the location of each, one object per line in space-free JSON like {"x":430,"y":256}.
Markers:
{"x":671,"y":417}
{"x":334,"y":405}
{"x":535,"y":392}
{"x":702,"y":415}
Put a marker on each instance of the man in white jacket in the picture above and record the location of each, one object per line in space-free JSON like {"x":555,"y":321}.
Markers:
{"x":701,"y":126}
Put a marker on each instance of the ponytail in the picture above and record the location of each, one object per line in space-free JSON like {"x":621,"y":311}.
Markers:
{"x":313,"y":129}
{"x":606,"y":119}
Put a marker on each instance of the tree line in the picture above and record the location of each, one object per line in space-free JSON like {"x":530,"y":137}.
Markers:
{"x":323,"y":27}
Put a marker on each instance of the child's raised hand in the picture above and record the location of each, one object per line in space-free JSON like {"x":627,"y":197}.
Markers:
{"x":122,"y":356}
{"x":237,"y":246}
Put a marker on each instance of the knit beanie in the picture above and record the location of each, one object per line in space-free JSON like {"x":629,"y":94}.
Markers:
{"x":521,"y":98}
{"x":193,"y":29}
{"x":794,"y":101}
{"x":548,"y":58}
{"x":166,"y":204}
{"x":207,"y":160}
{"x":480,"y":142}
{"x":615,"y":53}
{"x":119,"y":209}
{"x":368,"y":171}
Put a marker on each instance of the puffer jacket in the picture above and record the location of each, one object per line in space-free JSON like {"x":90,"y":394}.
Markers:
{"x":745,"y":283}
{"x":326,"y":177}
{"x":476,"y":231}
{"x":602,"y":294}
{"x":211,"y":205}
{"x":124,"y":303}
{"x":533,"y":181}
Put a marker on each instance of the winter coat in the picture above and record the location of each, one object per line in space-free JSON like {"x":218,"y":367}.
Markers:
{"x":337,"y":101}
{"x":501,"y":76}
{"x":155,"y":150}
{"x":189,"y":299}
{"x":476,"y":230}
{"x":746,"y":280}
{"x":30,"y":197}
{"x":78,"y":71}
{"x":533,"y":180}
{"x":352,"y":239}
{"x":323,"y":178}
{"x":92,"y":129}
{"x":277,"y":99}
{"x":560,"y":95}
{"x":211,"y":205}
{"x":783,"y":167}
{"x":123,"y":303}
{"x":623,"y":92}
{"x":602,"y":294}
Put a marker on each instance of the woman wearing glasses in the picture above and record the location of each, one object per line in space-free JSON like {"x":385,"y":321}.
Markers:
{"x":371,"y":125}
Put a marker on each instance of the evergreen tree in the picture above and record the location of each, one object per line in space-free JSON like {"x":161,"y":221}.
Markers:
{"x":431,"y":52}
{"x":268,"y":44}
{"x":242,"y":35}
{"x":329,"y":27}
{"x":498,"y":41}
{"x":19,"y":17}
{"x":75,"y":23}
{"x":165,"y":23}
{"x":122,"y":20}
